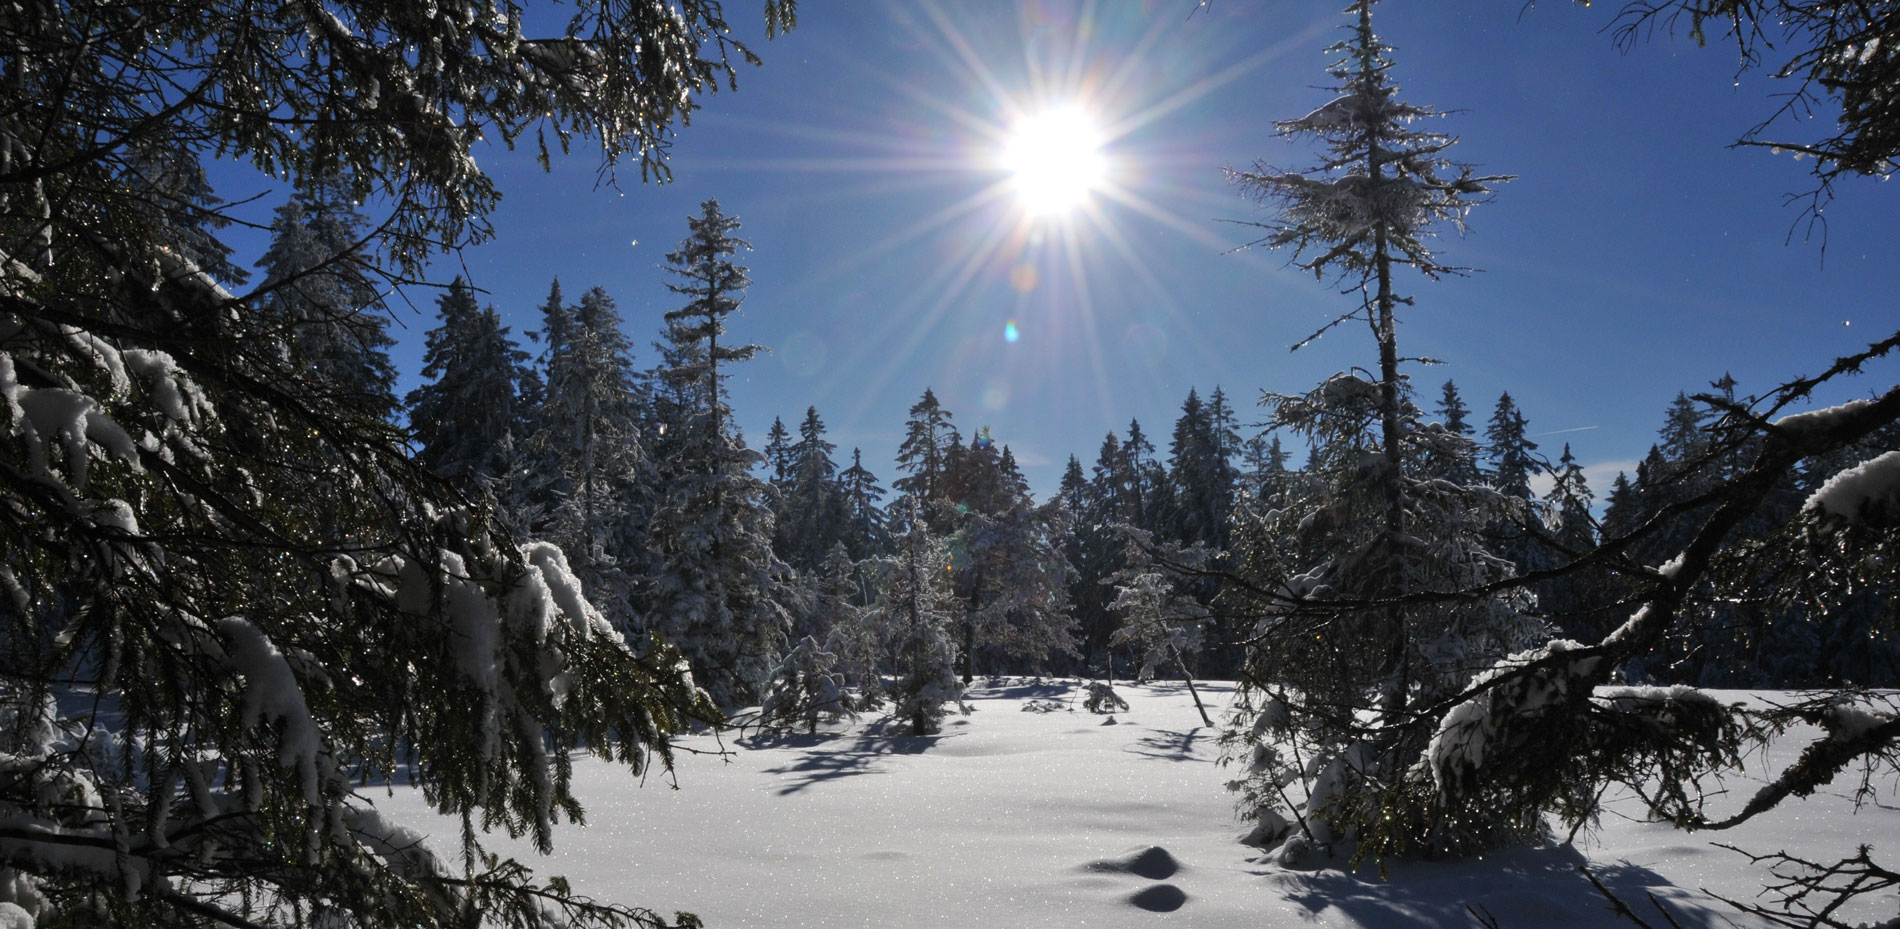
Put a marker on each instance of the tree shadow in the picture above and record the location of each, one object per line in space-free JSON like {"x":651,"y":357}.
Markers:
{"x":1521,"y":888}
{"x":834,"y":756}
{"x":1023,"y":688}
{"x":1169,"y":744}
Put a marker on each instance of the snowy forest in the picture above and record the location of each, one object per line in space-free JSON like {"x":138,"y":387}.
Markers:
{"x":249,"y":587}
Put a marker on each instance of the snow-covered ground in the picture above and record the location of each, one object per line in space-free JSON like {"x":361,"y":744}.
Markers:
{"x":1015,"y":818}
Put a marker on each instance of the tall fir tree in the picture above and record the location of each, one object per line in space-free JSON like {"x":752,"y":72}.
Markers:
{"x":865,"y":532}
{"x":924,"y":455}
{"x":578,"y":484}
{"x":466,"y":416}
{"x":914,"y":612}
{"x":1512,"y":463}
{"x":320,"y":281}
{"x":1380,"y":533}
{"x":1577,"y":602}
{"x":778,"y":452}
{"x":813,"y":509}
{"x":717,"y":589}
{"x":1510,"y":448}
{"x":1456,"y":458}
{"x":1007,"y":564}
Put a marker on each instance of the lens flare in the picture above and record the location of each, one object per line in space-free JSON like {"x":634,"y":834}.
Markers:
{"x":1010,"y":332}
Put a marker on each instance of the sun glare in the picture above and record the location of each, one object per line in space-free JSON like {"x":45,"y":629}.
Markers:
{"x":1055,"y":160}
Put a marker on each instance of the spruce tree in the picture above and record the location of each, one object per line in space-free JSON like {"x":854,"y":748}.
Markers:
{"x":813,"y":510}
{"x":237,"y":606}
{"x":929,"y":441}
{"x":1512,"y":463}
{"x":717,"y":589}
{"x":778,"y":452}
{"x":1577,"y":602}
{"x":864,"y":533}
{"x":1379,"y":533}
{"x":320,"y":282}
{"x":1086,"y":546}
{"x":1456,"y":460}
{"x":465,"y":417}
{"x":914,"y":613}
{"x":579,"y":484}
{"x":1007,"y":566}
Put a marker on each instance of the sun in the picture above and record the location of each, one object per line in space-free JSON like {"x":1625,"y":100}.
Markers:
{"x":1055,"y":161}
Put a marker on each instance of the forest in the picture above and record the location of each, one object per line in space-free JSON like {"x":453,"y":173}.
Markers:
{"x":247,"y":586}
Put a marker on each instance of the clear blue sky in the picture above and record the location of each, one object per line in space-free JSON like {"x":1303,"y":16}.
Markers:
{"x":1635,"y":256}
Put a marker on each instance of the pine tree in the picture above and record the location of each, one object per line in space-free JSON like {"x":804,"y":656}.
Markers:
{"x":1008,"y":569}
{"x":1200,"y":472}
{"x":929,"y":441}
{"x":318,"y":281}
{"x":1511,"y":459}
{"x":175,"y":198}
{"x":1086,"y":545}
{"x":1579,"y":602}
{"x":1147,"y":482}
{"x":864,"y":534}
{"x":807,"y":687}
{"x":581,"y":463}
{"x":1512,"y":464}
{"x":1457,"y":459}
{"x":211,"y":669}
{"x":713,"y":287}
{"x":813,"y":510}
{"x":914,"y":611}
{"x":778,"y":452}
{"x":1380,"y":534}
{"x":717,"y":590}
{"x":466,"y":416}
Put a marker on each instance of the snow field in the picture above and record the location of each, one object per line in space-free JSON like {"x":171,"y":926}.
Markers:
{"x":1061,"y":818}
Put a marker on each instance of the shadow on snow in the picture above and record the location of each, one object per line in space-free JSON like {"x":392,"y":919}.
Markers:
{"x":833,"y":756}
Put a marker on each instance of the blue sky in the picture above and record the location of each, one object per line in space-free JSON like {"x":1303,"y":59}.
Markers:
{"x":1636,"y":255}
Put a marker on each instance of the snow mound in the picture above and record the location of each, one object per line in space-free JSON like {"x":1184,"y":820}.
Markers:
{"x":1161,"y":898}
{"x":1154,"y":863}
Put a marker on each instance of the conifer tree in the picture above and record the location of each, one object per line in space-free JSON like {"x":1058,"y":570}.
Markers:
{"x":929,"y":442}
{"x":1364,"y":212}
{"x":1146,"y":480}
{"x":581,"y":467}
{"x":778,"y":452}
{"x":864,"y":533}
{"x":1511,"y":461}
{"x":1086,"y":545}
{"x":233,"y":677}
{"x":1576,"y":601}
{"x":1008,"y":568}
{"x":172,"y":194}
{"x":717,"y":589}
{"x":1112,"y":480}
{"x":1201,"y":473}
{"x":914,"y":612}
{"x":319,"y":281}
{"x":1458,"y":461}
{"x":465,"y":417}
{"x":807,"y":687}
{"x":812,"y":511}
